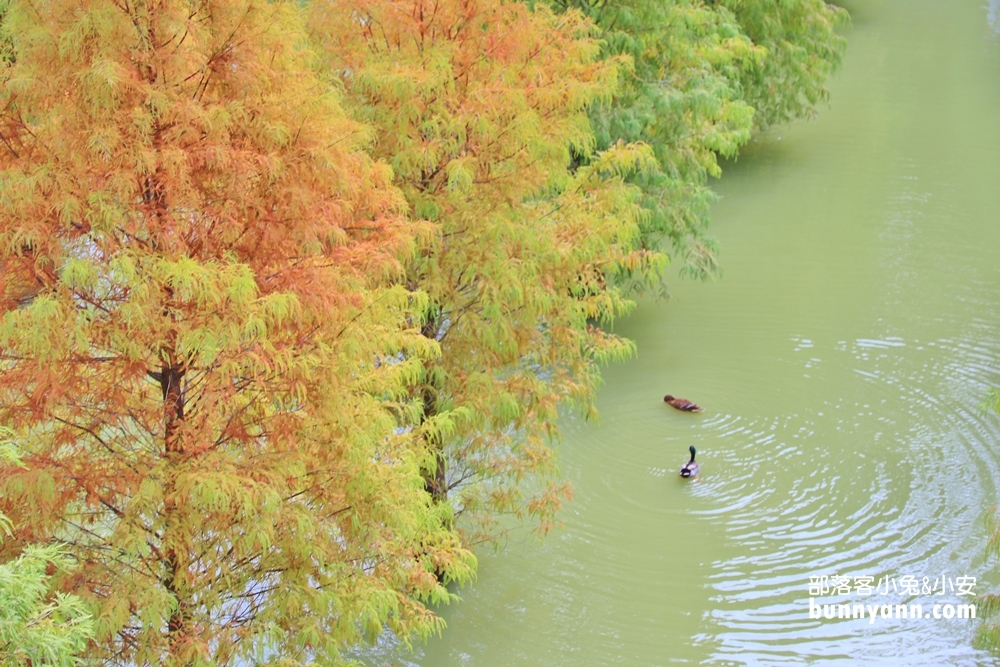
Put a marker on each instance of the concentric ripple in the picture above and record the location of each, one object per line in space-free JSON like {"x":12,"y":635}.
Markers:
{"x":908,"y":506}
{"x":842,"y":360}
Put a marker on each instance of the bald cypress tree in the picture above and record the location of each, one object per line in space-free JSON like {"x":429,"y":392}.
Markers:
{"x":801,"y":50}
{"x":204,"y":356}
{"x":702,"y":77}
{"x":477,"y":106}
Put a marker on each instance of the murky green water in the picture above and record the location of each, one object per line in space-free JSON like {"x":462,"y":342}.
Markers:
{"x":841,"y":360}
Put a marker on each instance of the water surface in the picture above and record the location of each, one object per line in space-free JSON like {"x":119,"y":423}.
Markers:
{"x":842,"y":359}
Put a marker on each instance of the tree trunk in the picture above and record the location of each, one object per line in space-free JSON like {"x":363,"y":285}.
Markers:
{"x":176,"y":554}
{"x":435,"y":480}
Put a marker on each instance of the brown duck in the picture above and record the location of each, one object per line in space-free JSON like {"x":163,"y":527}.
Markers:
{"x":682,"y":404}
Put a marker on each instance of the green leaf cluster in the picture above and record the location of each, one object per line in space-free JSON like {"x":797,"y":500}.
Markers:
{"x":801,"y":51}
{"x":38,"y":626}
{"x":701,"y":76}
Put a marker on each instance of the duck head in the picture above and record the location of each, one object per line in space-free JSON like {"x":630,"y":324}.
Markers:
{"x":668,"y":398}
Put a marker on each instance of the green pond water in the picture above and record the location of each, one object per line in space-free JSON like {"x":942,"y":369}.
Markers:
{"x":841,"y":359}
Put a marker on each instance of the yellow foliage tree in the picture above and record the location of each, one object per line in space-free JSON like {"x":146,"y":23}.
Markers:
{"x":477,"y":105}
{"x":204,"y":357}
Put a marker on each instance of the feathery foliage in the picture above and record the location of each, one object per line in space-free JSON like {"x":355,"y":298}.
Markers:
{"x":202,"y":354}
{"x":681,"y":96}
{"x":37,"y":625}
{"x":286,"y":287}
{"x":703,"y":75}
{"x":477,"y":106}
{"x":802,"y":50}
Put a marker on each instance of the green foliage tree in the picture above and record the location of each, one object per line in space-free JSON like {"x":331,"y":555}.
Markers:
{"x":993,"y":400}
{"x":703,"y":76}
{"x":802,"y":49}
{"x":477,"y":106}
{"x":681,"y":96}
{"x":988,"y":606}
{"x":203,"y":353}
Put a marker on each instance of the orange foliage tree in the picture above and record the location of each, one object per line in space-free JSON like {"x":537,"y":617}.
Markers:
{"x":477,"y":104}
{"x":204,"y":354}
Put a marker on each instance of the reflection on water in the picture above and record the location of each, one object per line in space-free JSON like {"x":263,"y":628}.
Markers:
{"x":841,"y":359}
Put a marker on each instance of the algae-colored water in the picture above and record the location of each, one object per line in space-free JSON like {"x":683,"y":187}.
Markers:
{"x":842,"y":359}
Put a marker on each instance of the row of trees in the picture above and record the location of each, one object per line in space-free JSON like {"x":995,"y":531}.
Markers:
{"x":291,"y":293}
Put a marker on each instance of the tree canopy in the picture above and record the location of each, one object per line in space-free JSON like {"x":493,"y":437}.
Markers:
{"x":204,"y":354}
{"x":801,"y":51}
{"x":702,"y":76}
{"x":292,"y":294}
{"x":477,"y":107}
